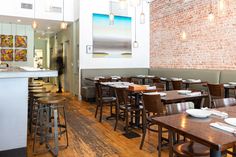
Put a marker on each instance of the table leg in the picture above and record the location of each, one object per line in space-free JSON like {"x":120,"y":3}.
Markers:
{"x":167,"y":85}
{"x":226,"y":92}
{"x":137,"y":114}
{"x":170,"y":137}
{"x":186,"y":86}
{"x":234,"y":150}
{"x":215,"y":153}
{"x":143,"y":81}
{"x":159,"y":140}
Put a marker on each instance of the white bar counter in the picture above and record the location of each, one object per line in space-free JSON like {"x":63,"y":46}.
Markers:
{"x":14,"y":108}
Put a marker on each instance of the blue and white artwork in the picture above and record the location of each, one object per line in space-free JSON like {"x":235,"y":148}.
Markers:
{"x":112,"y":41}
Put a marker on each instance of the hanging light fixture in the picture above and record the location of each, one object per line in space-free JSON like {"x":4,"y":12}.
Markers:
{"x":34,"y":23}
{"x":211,"y":15}
{"x":63,"y":23}
{"x":123,"y":4}
{"x":111,"y":15}
{"x":135,"y":3}
{"x":135,"y":44}
{"x":142,"y":16}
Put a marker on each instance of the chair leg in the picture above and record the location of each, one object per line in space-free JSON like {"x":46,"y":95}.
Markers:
{"x":126,"y":122}
{"x":96,"y":112}
{"x":117,"y":117}
{"x":65,"y":119}
{"x":101,"y":108}
{"x":144,"y":131}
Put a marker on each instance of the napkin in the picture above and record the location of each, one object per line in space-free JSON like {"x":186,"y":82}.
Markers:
{"x":151,"y":88}
{"x":194,"y":80}
{"x":163,"y":78}
{"x":194,"y":94}
{"x":176,"y":79}
{"x":216,"y":113}
{"x":223,"y":126}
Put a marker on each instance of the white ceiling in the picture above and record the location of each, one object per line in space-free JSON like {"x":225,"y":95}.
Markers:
{"x":42,"y":29}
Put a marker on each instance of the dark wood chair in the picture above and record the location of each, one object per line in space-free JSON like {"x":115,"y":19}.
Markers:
{"x":126,"y":79}
{"x":152,"y":107}
{"x":177,"y":85}
{"x":159,"y":87}
{"x":178,"y":107}
{"x":123,"y":104}
{"x":156,"y":80}
{"x":103,"y":96}
{"x":225,"y":102}
{"x":216,"y":91}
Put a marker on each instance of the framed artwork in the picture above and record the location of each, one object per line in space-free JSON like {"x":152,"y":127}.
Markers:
{"x":21,"y":41}
{"x":6,"y":54}
{"x":6,"y":40}
{"x":111,"y":41}
{"x":21,"y":55}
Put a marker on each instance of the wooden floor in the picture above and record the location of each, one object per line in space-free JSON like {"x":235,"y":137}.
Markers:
{"x":90,"y":138}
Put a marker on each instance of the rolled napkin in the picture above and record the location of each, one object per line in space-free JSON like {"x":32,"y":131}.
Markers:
{"x":176,"y":79}
{"x":194,"y":80}
{"x":224,"y":127}
{"x":194,"y":94}
{"x":163,"y":78}
{"x":216,"y":113}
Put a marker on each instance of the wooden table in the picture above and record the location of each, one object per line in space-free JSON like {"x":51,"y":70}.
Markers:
{"x":198,"y":130}
{"x":143,"y":78}
{"x":174,"y":97}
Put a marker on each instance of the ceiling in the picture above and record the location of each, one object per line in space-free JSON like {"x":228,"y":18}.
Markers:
{"x":44,"y":29}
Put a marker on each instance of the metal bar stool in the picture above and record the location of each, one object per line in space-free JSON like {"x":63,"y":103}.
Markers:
{"x":54,"y":105}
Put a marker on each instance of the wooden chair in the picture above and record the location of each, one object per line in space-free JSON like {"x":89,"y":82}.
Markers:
{"x":156,"y":80}
{"x":177,"y":85}
{"x":103,"y":96}
{"x":178,"y":107}
{"x":153,"y":106}
{"x":225,"y":102}
{"x":126,"y":79}
{"x":159,"y":87}
{"x":124,"y":104}
{"x":216,"y":91}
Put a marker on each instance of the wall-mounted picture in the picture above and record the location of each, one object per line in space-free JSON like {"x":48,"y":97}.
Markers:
{"x":112,"y":41}
{"x":21,"y":55}
{"x":6,"y":40}
{"x":6,"y":54}
{"x":21,"y":41}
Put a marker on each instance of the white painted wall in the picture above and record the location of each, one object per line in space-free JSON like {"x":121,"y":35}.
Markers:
{"x":13,"y":29}
{"x":13,"y":8}
{"x":140,"y":56}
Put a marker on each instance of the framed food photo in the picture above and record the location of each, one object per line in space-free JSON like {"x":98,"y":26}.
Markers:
{"x":21,"y":41}
{"x":6,"y":40}
{"x":6,"y":54}
{"x":21,"y":55}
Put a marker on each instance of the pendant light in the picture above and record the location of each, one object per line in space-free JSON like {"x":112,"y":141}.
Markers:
{"x":142,"y":16}
{"x":111,"y":15}
{"x":135,"y":44}
{"x":211,"y":15}
{"x":63,"y":23}
{"x":34,"y":23}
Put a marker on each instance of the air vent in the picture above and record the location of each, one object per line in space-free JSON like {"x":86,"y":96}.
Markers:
{"x":55,"y":9}
{"x":26,"y":6}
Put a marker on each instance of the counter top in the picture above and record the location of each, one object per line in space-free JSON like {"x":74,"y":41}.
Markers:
{"x":24,"y":72}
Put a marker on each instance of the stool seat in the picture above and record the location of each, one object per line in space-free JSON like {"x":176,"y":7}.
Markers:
{"x":51,"y":100}
{"x":191,"y":149}
{"x":39,"y":91}
{"x":40,"y":95}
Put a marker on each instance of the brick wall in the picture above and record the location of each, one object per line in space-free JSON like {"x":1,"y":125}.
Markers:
{"x":208,"y":45}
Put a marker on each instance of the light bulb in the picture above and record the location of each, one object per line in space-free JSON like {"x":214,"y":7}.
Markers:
{"x":34,"y":24}
{"x":135,"y":3}
{"x":211,"y":17}
{"x":135,"y":44}
{"x":142,"y":18}
{"x":123,"y":4}
{"x":111,"y":19}
{"x":63,"y":25}
{"x":183,"y":35}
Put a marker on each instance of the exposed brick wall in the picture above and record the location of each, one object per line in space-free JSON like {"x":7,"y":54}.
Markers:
{"x":207,"y":45}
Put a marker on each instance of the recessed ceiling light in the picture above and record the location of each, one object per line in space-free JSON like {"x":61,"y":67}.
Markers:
{"x":18,"y":20}
{"x":49,"y":27}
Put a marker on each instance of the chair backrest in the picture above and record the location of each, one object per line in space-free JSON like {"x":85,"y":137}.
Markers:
{"x":159,"y":87}
{"x":126,"y":79}
{"x":177,"y":84}
{"x":152,"y":104}
{"x":178,"y":107}
{"x":121,"y":96}
{"x":216,"y":91}
{"x":224,"y":102}
{"x":156,"y":80}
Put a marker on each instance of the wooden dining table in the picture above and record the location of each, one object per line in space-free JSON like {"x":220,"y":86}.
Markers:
{"x":198,"y":130}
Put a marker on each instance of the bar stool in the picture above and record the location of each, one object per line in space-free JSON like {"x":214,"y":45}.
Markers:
{"x":48,"y":105}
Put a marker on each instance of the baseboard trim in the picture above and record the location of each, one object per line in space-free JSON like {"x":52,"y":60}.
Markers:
{"x":19,"y":152}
